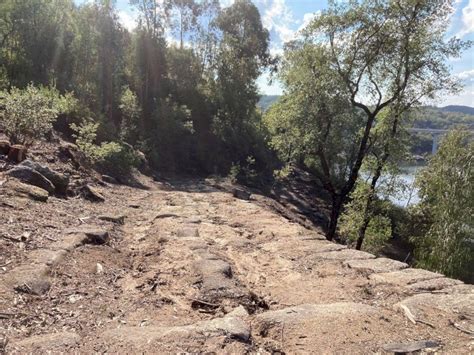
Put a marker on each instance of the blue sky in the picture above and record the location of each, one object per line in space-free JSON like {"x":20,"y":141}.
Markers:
{"x":283,"y":18}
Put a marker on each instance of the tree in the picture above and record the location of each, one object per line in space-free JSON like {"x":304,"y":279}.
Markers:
{"x":357,"y":59}
{"x":185,"y":17}
{"x":131,"y":113}
{"x":241,"y":56}
{"x":447,"y":206}
{"x":34,"y":41}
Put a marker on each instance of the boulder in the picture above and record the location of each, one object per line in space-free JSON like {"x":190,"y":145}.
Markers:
{"x":241,"y":194}
{"x":378,"y":265}
{"x":21,"y":189}
{"x":32,"y":177}
{"x":92,"y":194}
{"x":404,"y":277}
{"x":233,"y":328}
{"x":60,"y":181}
{"x":17,"y":153}
{"x":31,"y":279}
{"x":4,"y":146}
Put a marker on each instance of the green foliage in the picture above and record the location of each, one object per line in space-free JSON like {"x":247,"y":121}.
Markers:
{"x":131,"y":113}
{"x":109,"y":157}
{"x":29,"y":114}
{"x":244,"y":172}
{"x":447,"y":208}
{"x":85,"y":135}
{"x":358,"y":59}
{"x":379,"y":229}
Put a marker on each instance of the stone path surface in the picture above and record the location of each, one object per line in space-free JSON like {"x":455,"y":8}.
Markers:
{"x":188,"y":267}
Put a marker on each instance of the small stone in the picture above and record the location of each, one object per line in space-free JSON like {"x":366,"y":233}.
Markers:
{"x":99,"y":269}
{"x":17,"y":153}
{"x":4,"y":146}
{"x":96,"y":236}
{"x":193,"y":220}
{"x":32,"y":177}
{"x":241,"y":194}
{"x":188,"y":232}
{"x":36,"y":287}
{"x":92,"y":194}
{"x":239,"y":312}
{"x":109,"y":179}
{"x":118,"y":219}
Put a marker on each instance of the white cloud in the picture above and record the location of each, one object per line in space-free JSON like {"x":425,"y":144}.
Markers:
{"x":465,"y":98}
{"x":226,"y":3}
{"x":466,"y":75}
{"x":467,"y":19}
{"x":307,"y":18}
{"x":278,"y":17}
{"x":127,"y":19}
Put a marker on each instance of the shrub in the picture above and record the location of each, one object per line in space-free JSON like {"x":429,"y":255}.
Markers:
{"x":109,"y":157}
{"x":29,"y":114}
{"x":379,"y":229}
{"x":245,"y":172}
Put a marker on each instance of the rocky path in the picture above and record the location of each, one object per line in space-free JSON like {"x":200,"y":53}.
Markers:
{"x":194,"y":269}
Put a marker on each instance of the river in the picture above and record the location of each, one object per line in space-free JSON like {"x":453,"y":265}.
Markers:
{"x":408,"y":196}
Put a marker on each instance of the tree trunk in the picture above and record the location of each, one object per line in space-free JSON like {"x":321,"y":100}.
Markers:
{"x":335,"y":213}
{"x":370,"y":199}
{"x":362,"y":229}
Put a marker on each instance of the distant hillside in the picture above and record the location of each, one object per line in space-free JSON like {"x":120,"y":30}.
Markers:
{"x":458,"y":108}
{"x":266,"y":101}
{"x":444,"y":117}
{"x":426,"y":117}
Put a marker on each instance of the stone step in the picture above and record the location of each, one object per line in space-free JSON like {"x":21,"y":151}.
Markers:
{"x":456,"y":307}
{"x":379,"y":265}
{"x":193,"y":337}
{"x":404,"y":277}
{"x":45,"y":343}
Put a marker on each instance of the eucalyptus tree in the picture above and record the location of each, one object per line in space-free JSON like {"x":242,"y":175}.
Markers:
{"x":184,"y":16}
{"x":241,"y":56}
{"x":357,"y":59}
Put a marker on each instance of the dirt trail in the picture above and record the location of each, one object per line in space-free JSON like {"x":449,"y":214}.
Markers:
{"x":194,"y":269}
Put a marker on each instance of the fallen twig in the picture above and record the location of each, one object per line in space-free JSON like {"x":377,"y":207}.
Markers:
{"x":458,"y":327}
{"x":412,"y":318}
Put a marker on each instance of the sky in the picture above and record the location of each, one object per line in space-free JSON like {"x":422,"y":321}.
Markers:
{"x":283,"y":19}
